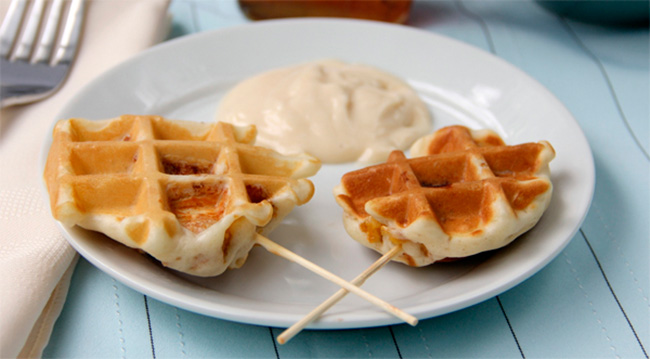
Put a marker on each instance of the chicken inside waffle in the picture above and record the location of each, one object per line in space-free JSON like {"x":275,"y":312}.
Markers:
{"x":464,"y":193}
{"x":192,"y":195}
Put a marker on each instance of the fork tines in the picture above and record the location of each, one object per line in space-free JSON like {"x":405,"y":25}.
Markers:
{"x":43,"y":23}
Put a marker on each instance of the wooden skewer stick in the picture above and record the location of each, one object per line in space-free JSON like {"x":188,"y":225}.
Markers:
{"x":277,"y":249}
{"x":327,"y":304}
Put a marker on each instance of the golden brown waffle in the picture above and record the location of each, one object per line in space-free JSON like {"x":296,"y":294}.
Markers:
{"x":467,"y":193}
{"x":192,"y":195}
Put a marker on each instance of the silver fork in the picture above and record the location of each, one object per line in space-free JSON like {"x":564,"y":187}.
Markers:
{"x":34,"y":61}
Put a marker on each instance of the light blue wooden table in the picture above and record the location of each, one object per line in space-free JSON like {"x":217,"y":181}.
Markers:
{"x":590,"y":302}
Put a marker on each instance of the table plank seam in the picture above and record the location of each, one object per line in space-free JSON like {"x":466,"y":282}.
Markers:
{"x":512,"y":330}
{"x":392,"y":334}
{"x":620,"y":306}
{"x":146,"y":310}
{"x":275,"y":345}
{"x":590,"y":54}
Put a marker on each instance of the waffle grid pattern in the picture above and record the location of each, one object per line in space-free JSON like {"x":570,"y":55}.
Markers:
{"x":148,"y":173}
{"x":463,"y":187}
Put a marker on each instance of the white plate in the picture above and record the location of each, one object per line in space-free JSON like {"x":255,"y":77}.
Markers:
{"x":185,"y":78}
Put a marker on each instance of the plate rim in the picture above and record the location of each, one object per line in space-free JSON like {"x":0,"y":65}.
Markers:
{"x":283,"y":319}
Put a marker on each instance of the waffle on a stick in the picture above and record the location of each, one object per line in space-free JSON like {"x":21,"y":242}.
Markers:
{"x":463,"y":193}
{"x":192,"y":195}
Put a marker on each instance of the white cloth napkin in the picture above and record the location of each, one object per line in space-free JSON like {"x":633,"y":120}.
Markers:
{"x":36,"y":262}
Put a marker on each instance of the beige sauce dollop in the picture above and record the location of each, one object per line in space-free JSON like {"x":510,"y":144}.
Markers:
{"x":335,"y":111}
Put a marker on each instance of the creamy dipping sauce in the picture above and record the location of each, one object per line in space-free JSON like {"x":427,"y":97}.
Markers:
{"x":335,"y":111}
